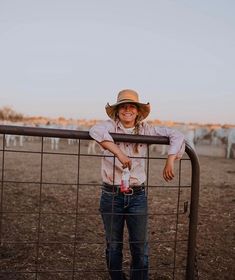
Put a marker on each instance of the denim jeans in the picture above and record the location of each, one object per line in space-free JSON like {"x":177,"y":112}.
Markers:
{"x":116,"y":210}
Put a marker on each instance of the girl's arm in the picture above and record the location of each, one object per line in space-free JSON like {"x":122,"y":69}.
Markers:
{"x":168,"y":171}
{"x":114,"y":149}
{"x":177,"y":139}
{"x":175,"y":151}
{"x":100,"y":133}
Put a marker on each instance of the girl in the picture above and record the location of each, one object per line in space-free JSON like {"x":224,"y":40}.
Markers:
{"x":117,"y":206}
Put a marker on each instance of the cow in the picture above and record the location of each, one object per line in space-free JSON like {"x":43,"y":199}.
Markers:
{"x":226,"y":136}
{"x":92,"y":147}
{"x":193,"y":136}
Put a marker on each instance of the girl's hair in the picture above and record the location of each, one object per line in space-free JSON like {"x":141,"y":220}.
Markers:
{"x":136,"y":131}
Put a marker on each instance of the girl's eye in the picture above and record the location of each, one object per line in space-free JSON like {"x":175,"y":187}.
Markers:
{"x":130,"y":106}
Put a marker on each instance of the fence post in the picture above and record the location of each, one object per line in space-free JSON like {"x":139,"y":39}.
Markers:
{"x":193,"y":216}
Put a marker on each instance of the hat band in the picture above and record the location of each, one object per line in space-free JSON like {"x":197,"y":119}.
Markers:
{"x":128,"y":100}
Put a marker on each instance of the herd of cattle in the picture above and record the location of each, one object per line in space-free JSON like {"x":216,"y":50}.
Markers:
{"x":200,"y":135}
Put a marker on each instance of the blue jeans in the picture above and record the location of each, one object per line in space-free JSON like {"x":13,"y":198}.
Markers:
{"x":116,"y":209}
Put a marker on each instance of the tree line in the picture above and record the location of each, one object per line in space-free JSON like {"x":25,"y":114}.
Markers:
{"x":8,"y":114}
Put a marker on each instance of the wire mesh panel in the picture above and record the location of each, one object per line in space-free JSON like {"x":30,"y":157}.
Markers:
{"x":50,"y":222}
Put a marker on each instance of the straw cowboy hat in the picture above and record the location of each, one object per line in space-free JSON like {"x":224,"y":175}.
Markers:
{"x":128,"y":96}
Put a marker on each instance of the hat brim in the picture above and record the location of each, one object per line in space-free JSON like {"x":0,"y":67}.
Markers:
{"x":144,"y":109}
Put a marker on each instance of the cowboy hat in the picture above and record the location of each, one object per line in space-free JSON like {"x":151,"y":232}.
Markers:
{"x":128,"y":96}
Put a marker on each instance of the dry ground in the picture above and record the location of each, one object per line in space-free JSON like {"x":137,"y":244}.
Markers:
{"x":65,"y":213}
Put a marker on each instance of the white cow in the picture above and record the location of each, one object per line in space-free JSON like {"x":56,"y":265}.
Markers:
{"x":72,"y":127}
{"x":92,"y":147}
{"x":192,"y":136}
{"x":10,"y":140}
{"x":201,"y":134}
{"x":15,"y":140}
{"x":225,"y":136}
{"x":54,"y":140}
{"x":231,"y":141}
{"x":189,"y":138}
{"x":55,"y":143}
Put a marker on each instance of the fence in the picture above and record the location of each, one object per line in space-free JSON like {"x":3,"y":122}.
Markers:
{"x":50,"y":226}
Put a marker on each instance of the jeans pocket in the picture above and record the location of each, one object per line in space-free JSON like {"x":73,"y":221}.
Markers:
{"x":104,"y":192}
{"x":106,"y":201}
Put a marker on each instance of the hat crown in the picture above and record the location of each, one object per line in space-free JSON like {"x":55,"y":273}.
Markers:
{"x":128,"y":95}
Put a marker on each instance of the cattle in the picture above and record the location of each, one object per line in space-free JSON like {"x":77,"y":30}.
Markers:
{"x":193,"y":136}
{"x":226,"y":136}
{"x":54,"y":140}
{"x":15,"y":140}
{"x":92,"y":147}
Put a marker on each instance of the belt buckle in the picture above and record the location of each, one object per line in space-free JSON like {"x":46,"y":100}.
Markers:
{"x":129,"y":192}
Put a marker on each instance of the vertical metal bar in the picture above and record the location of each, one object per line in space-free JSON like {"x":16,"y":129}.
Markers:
{"x":1,"y":206}
{"x":147,"y":166}
{"x":195,"y":183}
{"x":146,"y":239}
{"x":76,"y":217}
{"x":112,"y":213}
{"x":39,"y":212}
{"x":177,"y":220}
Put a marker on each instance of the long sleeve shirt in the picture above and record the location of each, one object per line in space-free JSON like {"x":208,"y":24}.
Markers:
{"x":111,"y":167}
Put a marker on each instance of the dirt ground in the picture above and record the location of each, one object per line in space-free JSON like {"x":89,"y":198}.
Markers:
{"x":51,"y":226}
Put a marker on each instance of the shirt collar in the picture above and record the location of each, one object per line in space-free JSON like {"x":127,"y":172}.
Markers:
{"x":120,"y":125}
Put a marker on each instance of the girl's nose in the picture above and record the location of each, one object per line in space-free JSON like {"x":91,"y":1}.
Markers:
{"x":127,"y":107}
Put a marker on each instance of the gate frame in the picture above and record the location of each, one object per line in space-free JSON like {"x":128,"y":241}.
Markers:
{"x":84,"y":135}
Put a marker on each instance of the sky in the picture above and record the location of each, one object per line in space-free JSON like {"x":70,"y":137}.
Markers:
{"x":70,"y":57}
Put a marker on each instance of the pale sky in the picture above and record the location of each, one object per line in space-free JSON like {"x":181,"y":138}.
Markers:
{"x":70,"y":57}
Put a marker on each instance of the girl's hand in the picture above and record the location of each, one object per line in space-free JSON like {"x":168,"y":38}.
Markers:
{"x":168,"y":172}
{"x":113,"y":148}
{"x":124,"y":159}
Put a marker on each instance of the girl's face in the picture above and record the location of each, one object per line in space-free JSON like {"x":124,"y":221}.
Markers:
{"x":127,"y":114}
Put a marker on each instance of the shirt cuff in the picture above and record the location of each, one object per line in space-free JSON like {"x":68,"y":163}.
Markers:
{"x":179,"y":153}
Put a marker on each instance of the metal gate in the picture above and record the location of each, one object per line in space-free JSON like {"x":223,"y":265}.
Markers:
{"x":49,"y":219}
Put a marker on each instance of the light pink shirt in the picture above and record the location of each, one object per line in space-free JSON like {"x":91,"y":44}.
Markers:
{"x":101,"y":132}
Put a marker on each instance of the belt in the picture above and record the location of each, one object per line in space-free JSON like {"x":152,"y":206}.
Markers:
{"x":116,"y":189}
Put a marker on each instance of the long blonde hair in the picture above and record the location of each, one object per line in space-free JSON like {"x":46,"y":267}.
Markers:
{"x":137,"y":131}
